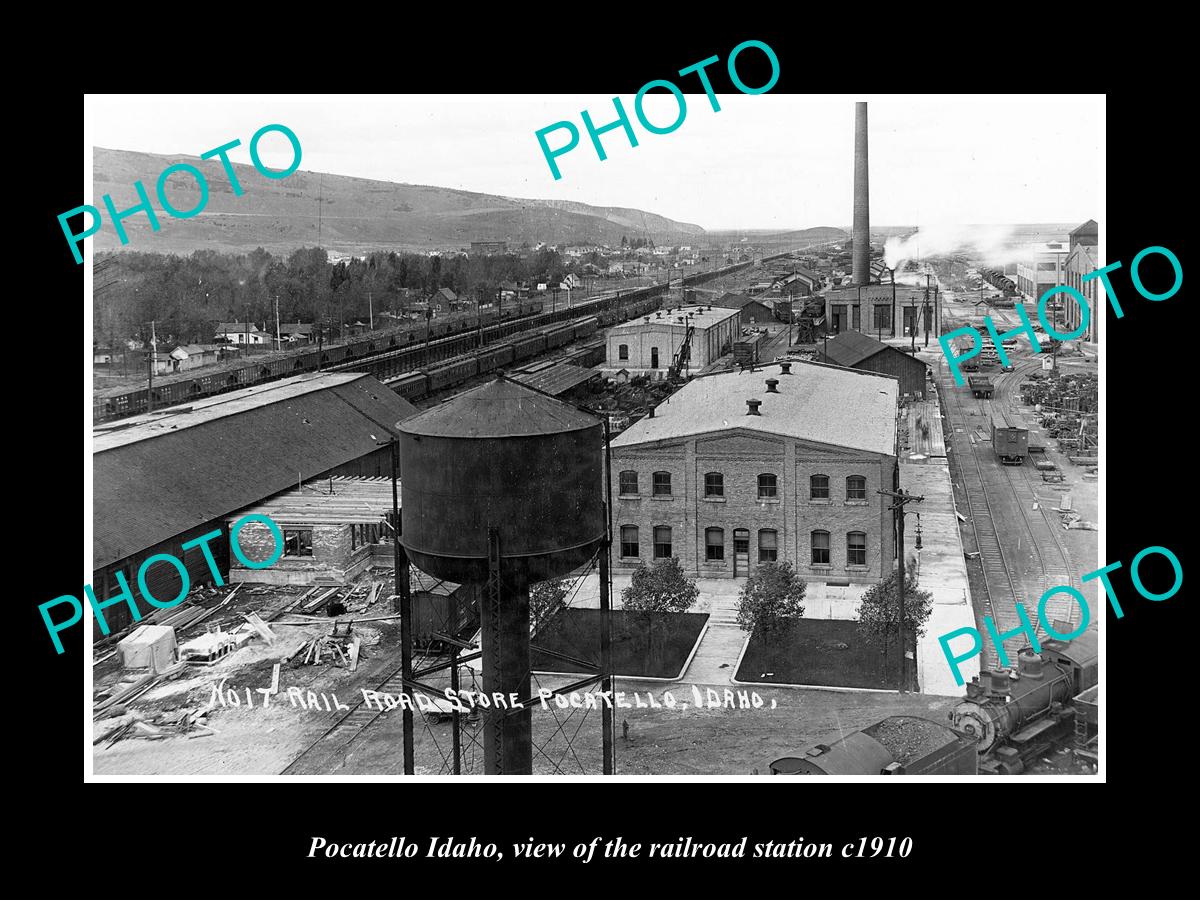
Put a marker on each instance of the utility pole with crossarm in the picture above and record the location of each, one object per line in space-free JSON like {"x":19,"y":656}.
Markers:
{"x":901,"y":499}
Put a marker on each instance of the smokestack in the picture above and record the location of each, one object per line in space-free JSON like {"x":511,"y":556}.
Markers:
{"x":862,"y":201}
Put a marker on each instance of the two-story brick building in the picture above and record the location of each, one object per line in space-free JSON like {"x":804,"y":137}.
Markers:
{"x":781,"y":463}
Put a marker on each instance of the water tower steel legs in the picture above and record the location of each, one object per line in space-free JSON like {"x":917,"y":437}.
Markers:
{"x":504,"y":615}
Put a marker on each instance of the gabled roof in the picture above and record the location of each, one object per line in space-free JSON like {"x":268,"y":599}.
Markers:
{"x":820,"y":403}
{"x":164,"y":473}
{"x":853,"y":347}
{"x":237,"y":327}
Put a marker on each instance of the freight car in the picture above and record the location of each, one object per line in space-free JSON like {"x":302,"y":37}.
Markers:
{"x":1011,"y":442}
{"x":981,"y":386}
{"x":1017,"y":715}
{"x":897,"y":745}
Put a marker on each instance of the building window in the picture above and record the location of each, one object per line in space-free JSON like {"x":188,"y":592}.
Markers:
{"x":297,"y":542}
{"x":768,"y":546}
{"x":714,"y":544}
{"x":883,"y":317}
{"x":820,"y":548}
{"x":629,"y":483}
{"x":766,"y":487}
{"x":662,"y":484}
{"x":623,"y":351}
{"x":818,"y":487}
{"x":856,"y":548}
{"x":654,"y":357}
{"x":856,"y":487}
{"x":662,"y":542}
{"x":629,"y":541}
{"x":714,"y":485}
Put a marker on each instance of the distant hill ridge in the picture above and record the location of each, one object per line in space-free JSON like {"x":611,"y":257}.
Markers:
{"x":355,"y":213}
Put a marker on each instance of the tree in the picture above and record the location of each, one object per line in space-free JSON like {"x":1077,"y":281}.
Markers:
{"x":662,"y":587}
{"x":546,"y":600}
{"x":879,"y":613}
{"x":770,"y":601}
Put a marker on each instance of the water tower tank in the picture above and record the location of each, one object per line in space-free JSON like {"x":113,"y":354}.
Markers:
{"x":506,"y":459}
{"x":503,"y":456}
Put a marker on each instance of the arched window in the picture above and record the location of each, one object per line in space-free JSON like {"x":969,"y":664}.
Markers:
{"x":623,"y":351}
{"x":768,"y":546}
{"x":856,"y":487}
{"x":714,"y":544}
{"x":662,"y":542}
{"x":820,"y":548}
{"x":767,"y":486}
{"x":662,"y":484}
{"x":629,"y":541}
{"x":629,"y":483}
{"x":714,"y":484}
{"x":818,"y":487}
{"x":856,"y":549}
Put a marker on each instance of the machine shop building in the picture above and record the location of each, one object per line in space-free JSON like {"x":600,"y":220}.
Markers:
{"x":885,"y":310}
{"x":168,"y":477}
{"x":776,"y":464}
{"x":857,"y":351}
{"x":649,"y":344}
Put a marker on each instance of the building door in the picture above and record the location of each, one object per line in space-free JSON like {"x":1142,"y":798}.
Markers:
{"x":654,"y":357}
{"x":857,"y":326}
{"x":741,"y":553}
{"x":839,"y":317}
{"x":910,"y":320}
{"x":928,"y":319}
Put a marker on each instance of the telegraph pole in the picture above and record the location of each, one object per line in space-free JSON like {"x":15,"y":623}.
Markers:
{"x":153,"y":363}
{"x":278,"y":339}
{"x":901,"y":499}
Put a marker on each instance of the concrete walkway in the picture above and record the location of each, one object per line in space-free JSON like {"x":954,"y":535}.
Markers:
{"x":716,"y":659}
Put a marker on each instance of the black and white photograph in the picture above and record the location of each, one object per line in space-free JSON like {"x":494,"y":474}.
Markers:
{"x":707,"y":431}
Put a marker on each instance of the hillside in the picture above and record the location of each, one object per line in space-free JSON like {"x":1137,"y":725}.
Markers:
{"x":356,"y":214}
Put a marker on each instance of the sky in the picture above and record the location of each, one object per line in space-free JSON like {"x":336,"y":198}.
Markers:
{"x":767,"y":161}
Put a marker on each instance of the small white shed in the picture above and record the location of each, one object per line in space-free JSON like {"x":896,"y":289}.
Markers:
{"x":150,"y":647}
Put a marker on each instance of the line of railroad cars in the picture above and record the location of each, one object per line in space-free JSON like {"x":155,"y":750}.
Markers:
{"x":412,"y":385}
{"x":455,"y":334}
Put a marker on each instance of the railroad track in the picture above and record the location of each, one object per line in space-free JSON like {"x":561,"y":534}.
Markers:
{"x":992,"y":488}
{"x":999,"y":586}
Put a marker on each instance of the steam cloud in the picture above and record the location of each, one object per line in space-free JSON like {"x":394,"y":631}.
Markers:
{"x":990,"y":244}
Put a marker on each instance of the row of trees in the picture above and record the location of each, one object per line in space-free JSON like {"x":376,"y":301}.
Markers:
{"x":772,"y":601}
{"x":186,"y":295}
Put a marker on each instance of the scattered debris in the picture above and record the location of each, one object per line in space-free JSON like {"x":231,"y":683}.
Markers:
{"x":340,"y":649}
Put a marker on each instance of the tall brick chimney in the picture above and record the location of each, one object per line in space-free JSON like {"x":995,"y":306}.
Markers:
{"x":861,"y":273}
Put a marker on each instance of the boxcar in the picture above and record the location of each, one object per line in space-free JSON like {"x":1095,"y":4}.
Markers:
{"x":556,"y":337}
{"x":1011,"y":442}
{"x":452,"y":373}
{"x":412,"y":385}
{"x":528,"y":346}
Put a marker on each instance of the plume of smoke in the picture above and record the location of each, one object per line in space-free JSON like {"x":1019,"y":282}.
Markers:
{"x":992,"y":245}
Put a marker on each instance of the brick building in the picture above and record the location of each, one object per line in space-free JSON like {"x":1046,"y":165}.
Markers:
{"x":647,"y":345}
{"x":885,"y":310}
{"x":781,"y":463}
{"x":1081,"y":261}
{"x":1041,"y":269}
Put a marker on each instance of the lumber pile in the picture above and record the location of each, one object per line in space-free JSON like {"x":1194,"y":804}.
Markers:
{"x":191,"y":723}
{"x":340,"y":648}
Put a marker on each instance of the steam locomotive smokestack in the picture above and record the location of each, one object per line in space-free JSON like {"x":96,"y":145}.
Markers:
{"x":862,"y":203}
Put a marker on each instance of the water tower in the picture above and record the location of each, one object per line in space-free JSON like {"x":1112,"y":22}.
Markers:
{"x":503,"y":487}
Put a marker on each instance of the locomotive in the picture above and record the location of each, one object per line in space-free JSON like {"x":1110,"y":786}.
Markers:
{"x":1016,"y":714}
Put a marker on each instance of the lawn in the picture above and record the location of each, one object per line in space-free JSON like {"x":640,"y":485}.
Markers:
{"x":826,"y":652}
{"x":644,"y":645}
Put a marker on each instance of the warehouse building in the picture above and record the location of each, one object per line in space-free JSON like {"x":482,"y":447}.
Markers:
{"x":649,"y":344}
{"x":1042,"y":268}
{"x":782,"y":463}
{"x":1081,"y":262}
{"x":166,"y":478}
{"x":885,"y":310}
{"x":857,"y":351}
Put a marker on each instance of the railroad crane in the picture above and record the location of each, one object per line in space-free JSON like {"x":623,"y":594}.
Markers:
{"x":683,"y":355}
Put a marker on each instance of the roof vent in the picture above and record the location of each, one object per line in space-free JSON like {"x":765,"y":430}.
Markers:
{"x":651,"y":413}
{"x":647,"y":320}
{"x":752,"y":407}
{"x":658,"y":315}
{"x":679,"y":319}
{"x":785,"y":368}
{"x":772,"y":383}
